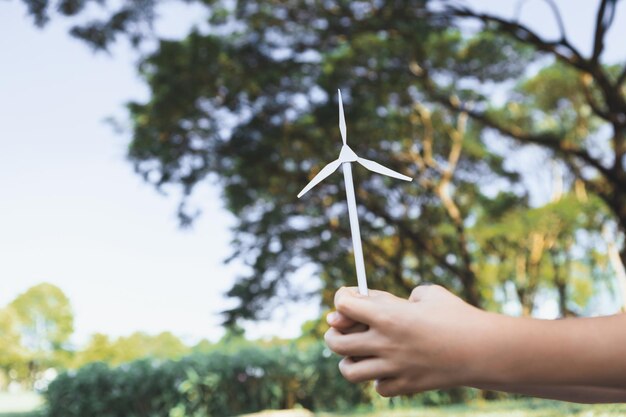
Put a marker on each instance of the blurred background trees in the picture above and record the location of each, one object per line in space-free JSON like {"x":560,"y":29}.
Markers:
{"x":35,"y":332}
{"x":436,"y":90}
{"x":142,"y":374}
{"x":468,"y":103}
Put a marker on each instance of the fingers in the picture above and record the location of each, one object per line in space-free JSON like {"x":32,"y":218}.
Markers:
{"x":391,"y":387}
{"x":340,"y":321}
{"x":357,"y":328}
{"x":353,"y":344}
{"x":351,"y":304}
{"x":361,"y":308}
{"x":345,"y":324}
{"x":364,"y":369}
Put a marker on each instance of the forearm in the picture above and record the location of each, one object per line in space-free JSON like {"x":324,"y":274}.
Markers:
{"x":577,"y":394}
{"x":570,"y":352}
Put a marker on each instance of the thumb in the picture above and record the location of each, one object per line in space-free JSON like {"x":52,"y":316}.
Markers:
{"x":353,"y":305}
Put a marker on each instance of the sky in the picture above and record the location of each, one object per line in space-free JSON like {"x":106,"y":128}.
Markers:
{"x":73,"y":212}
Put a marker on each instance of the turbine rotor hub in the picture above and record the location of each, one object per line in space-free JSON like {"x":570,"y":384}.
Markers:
{"x":347,"y":154}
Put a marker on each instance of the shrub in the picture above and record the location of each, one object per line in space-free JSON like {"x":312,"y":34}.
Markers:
{"x":220,"y":383}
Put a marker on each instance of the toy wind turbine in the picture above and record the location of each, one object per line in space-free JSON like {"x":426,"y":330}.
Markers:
{"x":346,"y":157}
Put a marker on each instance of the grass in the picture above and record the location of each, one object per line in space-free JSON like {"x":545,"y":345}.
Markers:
{"x":27,"y":404}
{"x":519,"y":408}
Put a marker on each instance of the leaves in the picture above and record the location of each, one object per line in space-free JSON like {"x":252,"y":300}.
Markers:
{"x":44,"y":316}
{"x":248,"y":102}
{"x":223,"y":382}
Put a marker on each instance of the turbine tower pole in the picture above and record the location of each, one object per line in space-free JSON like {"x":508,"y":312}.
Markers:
{"x":346,"y":157}
{"x":354,"y":227}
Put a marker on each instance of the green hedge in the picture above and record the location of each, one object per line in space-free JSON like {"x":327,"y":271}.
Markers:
{"x":216,"y":384}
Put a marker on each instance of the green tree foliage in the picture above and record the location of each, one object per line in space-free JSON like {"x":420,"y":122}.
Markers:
{"x":44,"y":316}
{"x":274,"y":82}
{"x":562,"y":107}
{"x":43,"y":321}
{"x":531,"y":250}
{"x":107,"y":19}
{"x":248,"y":101}
{"x":34,"y":336}
{"x":126,"y":349}
{"x":12,"y":353}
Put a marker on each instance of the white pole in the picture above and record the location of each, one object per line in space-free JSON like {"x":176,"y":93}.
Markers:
{"x":354,"y":227}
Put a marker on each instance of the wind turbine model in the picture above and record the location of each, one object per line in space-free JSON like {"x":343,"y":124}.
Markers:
{"x":346,"y":157}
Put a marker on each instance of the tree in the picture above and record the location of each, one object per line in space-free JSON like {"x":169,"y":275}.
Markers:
{"x":12,"y":353}
{"x":584,"y":93}
{"x":139,"y":345}
{"x":44,"y":316}
{"x":275,"y":143}
{"x":130,"y":19}
{"x":45,"y":322}
{"x":100,"y":348}
{"x":535,"y":249}
{"x":249,"y":102}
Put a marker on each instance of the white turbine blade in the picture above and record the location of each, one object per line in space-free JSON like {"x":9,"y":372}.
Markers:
{"x":376,"y":167}
{"x":342,"y":119}
{"x":325,"y":172}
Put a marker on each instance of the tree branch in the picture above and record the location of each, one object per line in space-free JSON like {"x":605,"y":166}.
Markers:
{"x":440,"y":188}
{"x":546,"y":140}
{"x":621,"y":79}
{"x":396,"y":274}
{"x":598,"y":39}
{"x":419,"y":241}
{"x":549,"y":141}
{"x":606,"y":194}
{"x":555,"y":11}
{"x":524,"y":34}
{"x":595,"y":107}
{"x":619,"y":146}
{"x":559,"y":19}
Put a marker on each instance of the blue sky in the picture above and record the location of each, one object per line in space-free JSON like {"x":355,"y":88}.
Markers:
{"x":73,"y":213}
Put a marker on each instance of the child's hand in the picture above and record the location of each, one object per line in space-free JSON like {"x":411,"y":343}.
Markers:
{"x":427,"y":342}
{"x":435,"y":340}
{"x":345,"y":324}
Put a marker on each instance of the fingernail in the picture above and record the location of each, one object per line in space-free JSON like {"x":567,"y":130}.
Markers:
{"x":332,"y":317}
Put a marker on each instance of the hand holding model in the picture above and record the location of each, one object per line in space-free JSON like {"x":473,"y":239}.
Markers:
{"x":435,"y":340}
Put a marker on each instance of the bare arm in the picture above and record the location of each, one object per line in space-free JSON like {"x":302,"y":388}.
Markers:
{"x":435,"y":340}
{"x":524,"y":352}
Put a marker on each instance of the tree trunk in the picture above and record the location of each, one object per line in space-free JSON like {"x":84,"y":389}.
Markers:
{"x":618,"y":261}
{"x":525,"y":301}
{"x":470,"y":289}
{"x":561,"y":287}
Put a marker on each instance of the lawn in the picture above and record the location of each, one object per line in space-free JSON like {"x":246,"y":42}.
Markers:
{"x":26,"y":405}
{"x":519,"y":408}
